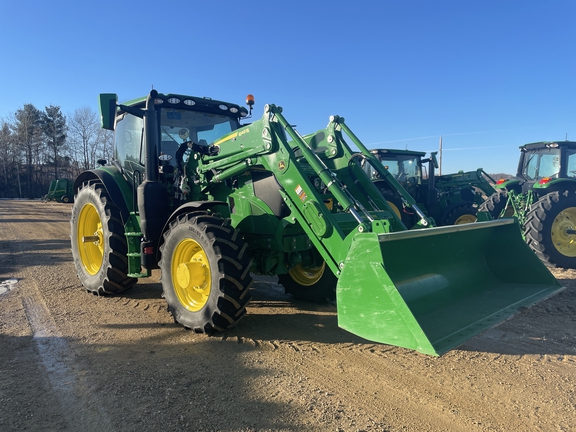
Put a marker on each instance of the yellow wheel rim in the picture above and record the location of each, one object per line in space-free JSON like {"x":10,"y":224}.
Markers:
{"x":464,"y":219}
{"x":191,"y":275}
{"x":395,"y":209}
{"x":565,"y":221}
{"x":306,"y":276}
{"x":90,"y":239}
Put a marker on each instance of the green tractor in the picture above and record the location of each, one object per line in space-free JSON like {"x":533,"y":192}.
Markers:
{"x":542,"y":196}
{"x":61,"y":190}
{"x":211,"y":201}
{"x":449,"y":199}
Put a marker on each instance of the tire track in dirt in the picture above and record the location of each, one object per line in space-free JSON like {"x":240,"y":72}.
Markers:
{"x":79,"y":406}
{"x":428,"y":391}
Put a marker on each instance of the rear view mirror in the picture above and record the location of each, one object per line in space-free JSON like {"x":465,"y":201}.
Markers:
{"x":107,"y":105}
{"x":434,"y":160}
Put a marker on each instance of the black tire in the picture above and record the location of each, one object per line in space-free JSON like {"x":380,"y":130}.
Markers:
{"x":317,"y":285}
{"x":205,"y":272}
{"x":463,"y":213}
{"x":65,"y":199}
{"x":101,"y":265}
{"x":495,"y":203}
{"x":547,"y":227}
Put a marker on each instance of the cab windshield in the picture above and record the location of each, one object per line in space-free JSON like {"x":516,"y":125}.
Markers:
{"x":178,"y":126}
{"x":541,"y":163}
{"x":401,"y":167}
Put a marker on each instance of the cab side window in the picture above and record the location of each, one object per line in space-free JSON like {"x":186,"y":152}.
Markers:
{"x":129,"y":132}
{"x":571,"y":171}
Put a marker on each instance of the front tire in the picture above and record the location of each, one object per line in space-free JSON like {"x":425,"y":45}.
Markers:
{"x":99,"y":246}
{"x":205,"y":272}
{"x":495,"y":203}
{"x":548,"y":228}
{"x":316,"y":284}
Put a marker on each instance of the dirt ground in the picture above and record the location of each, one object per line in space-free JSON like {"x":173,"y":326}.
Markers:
{"x":73,"y":361}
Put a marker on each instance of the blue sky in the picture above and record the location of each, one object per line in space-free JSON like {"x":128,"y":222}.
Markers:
{"x":487,"y":76}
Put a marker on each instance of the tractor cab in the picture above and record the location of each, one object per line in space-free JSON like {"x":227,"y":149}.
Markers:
{"x":177,"y":120}
{"x":542,"y":162}
{"x":404,"y":165}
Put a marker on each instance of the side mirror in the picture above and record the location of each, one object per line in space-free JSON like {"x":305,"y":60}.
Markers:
{"x":108,"y":102}
{"x":434,"y":160}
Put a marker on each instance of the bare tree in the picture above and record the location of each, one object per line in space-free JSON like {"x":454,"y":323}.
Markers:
{"x":84,"y":136}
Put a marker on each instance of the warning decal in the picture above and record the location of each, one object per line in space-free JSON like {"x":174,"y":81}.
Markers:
{"x":301,"y":193}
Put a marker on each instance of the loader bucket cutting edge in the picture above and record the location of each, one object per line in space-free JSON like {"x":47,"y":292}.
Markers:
{"x":433,"y":289}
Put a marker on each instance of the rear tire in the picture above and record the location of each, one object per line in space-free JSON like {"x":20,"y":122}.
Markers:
{"x":205,"y":272}
{"x":101,"y":264}
{"x":395,"y":204}
{"x":546,"y":229}
{"x":495,"y":203}
{"x":462,"y":214}
{"x":317,"y":285}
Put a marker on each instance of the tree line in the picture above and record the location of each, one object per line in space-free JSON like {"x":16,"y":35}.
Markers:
{"x":38,"y":146}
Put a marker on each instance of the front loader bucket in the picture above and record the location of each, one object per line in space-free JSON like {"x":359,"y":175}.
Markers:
{"x":433,"y":289}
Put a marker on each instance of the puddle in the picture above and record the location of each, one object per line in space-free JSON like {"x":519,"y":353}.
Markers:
{"x":7,"y":285}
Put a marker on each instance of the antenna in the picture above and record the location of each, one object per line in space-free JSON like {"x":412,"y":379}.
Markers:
{"x":440,"y":154}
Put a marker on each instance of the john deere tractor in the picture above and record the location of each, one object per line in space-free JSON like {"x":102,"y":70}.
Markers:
{"x":449,"y":199}
{"x":210,"y":201}
{"x":542,"y":196}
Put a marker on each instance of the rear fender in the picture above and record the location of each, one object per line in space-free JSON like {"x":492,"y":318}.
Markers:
{"x":116,"y":185}
{"x":510,"y":184}
{"x":554,"y":185}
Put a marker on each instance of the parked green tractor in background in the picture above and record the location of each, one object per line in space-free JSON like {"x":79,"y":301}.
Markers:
{"x":542,"y":197}
{"x":61,"y":190}
{"x":449,"y":199}
{"x":210,"y":201}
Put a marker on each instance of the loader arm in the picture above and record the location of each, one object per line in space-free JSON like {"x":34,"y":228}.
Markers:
{"x":428,"y":289}
{"x":306,"y":183}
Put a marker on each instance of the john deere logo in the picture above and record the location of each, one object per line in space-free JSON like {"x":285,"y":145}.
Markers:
{"x":281,"y":165}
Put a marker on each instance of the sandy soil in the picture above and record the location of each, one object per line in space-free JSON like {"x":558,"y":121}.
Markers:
{"x":73,"y":361}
